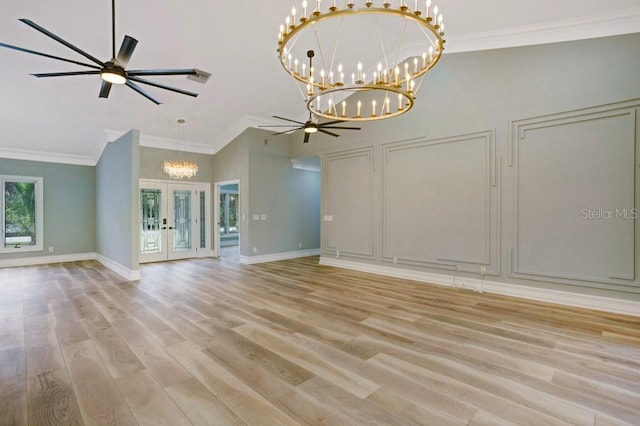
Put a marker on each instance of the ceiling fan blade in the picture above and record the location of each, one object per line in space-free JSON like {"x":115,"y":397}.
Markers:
{"x":65,"y":74}
{"x":162,"y":86}
{"x":61,"y":41}
{"x":288,"y":119}
{"x":46,"y":55}
{"x":186,"y":71}
{"x":328,"y":123}
{"x":143,"y":92}
{"x":339,"y":127}
{"x":105,"y":89}
{"x":126,"y":50}
{"x":275,"y":125}
{"x":306,"y":137}
{"x":328,"y":133}
{"x":286,"y":132}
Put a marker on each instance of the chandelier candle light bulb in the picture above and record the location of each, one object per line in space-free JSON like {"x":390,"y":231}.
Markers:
{"x":319,"y":28}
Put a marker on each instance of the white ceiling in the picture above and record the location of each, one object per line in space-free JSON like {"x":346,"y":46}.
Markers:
{"x":62,"y":119}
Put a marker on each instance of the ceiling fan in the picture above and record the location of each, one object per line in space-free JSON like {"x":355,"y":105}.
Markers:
{"x":310,"y":127}
{"x":112,"y":71}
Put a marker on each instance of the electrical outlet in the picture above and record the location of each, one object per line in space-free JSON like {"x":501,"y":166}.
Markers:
{"x":51,"y":249}
{"x":483,"y":270}
{"x":255,"y":249}
{"x":395,"y":259}
{"x":299,"y":245}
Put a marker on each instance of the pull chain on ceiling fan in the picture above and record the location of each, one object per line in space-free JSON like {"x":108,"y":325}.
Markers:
{"x":114,"y":70}
{"x":310,"y":126}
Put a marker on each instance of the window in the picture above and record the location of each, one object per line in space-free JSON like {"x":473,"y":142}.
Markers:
{"x":22,"y":214}
{"x":229,"y":213}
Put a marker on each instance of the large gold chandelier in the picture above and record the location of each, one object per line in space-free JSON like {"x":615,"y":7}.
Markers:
{"x":372,"y":73}
{"x":180,"y":169}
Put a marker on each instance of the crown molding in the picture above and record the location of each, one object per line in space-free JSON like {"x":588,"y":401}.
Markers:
{"x":47,"y":157}
{"x":613,"y":23}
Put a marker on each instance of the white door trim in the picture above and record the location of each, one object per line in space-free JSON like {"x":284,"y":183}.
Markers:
{"x":216,"y":214}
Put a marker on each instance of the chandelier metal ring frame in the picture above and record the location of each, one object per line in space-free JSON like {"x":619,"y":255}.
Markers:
{"x":392,"y":76}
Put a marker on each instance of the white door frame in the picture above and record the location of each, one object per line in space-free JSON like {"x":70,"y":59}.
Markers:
{"x":216,"y":218}
{"x":197,"y":188}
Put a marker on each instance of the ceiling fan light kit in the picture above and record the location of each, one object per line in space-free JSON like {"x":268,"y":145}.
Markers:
{"x":113,"y":73}
{"x":345,"y":88}
{"x":114,"y":70}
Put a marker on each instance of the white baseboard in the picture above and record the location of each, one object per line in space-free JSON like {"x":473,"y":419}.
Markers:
{"x":43,"y":260}
{"x":249,"y":260}
{"x":599,"y":303}
{"x":131,"y":275}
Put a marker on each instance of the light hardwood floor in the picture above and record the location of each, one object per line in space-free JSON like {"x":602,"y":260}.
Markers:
{"x":214,"y":342}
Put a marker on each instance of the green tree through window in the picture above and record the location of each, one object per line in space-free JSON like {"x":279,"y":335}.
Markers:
{"x":21,"y":213}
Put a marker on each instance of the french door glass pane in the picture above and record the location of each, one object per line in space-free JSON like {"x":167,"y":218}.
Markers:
{"x":19,"y":214}
{"x":203,"y":241}
{"x":182,"y":238}
{"x":151,"y":237}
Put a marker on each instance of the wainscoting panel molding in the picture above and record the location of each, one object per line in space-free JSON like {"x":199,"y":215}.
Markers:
{"x":348,"y":203}
{"x":440,"y":203}
{"x":574,"y":192}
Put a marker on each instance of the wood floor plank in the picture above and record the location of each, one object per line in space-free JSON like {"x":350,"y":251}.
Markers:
{"x":152,"y":354}
{"x":200,"y":405}
{"x":99,"y":399}
{"x":13,"y":387}
{"x":41,"y":345}
{"x":505,"y":388}
{"x":52,"y":400}
{"x":236,"y":344}
{"x":243,"y":401}
{"x":148,"y":401}
{"x":351,"y":382}
{"x":287,"y":397}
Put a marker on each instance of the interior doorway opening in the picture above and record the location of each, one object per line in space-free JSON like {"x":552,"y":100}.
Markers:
{"x":228,"y":220}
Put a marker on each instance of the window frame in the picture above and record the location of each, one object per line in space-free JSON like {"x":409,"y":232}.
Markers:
{"x":39,"y":195}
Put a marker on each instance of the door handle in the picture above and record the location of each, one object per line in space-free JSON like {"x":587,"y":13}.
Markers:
{"x":171,"y":227}
{"x":164,"y":227}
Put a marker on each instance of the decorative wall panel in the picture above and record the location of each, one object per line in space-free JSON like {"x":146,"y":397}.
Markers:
{"x":441,"y":203}
{"x":574,"y":200}
{"x":348,"y":203}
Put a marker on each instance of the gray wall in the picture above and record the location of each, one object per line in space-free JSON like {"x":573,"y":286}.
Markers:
{"x":493,"y":167}
{"x":69,"y":206}
{"x":289,"y":198}
{"x":230,"y":163}
{"x":269,"y":185}
{"x":117,"y":201}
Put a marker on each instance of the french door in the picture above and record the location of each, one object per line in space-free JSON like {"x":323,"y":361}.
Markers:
{"x":173,"y":220}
